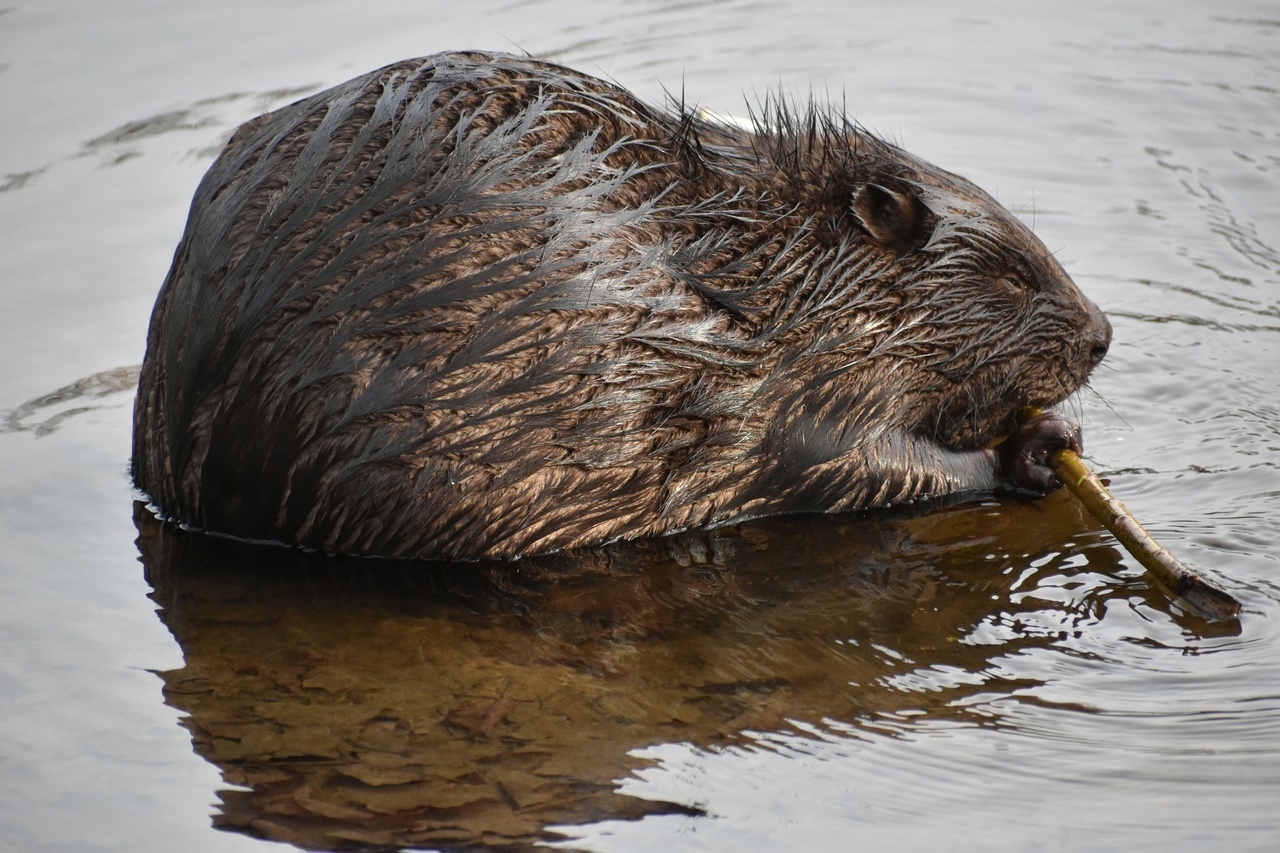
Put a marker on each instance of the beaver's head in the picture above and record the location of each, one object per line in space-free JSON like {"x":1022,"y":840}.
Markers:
{"x":994,"y":323}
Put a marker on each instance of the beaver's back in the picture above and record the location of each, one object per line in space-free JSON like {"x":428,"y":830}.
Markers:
{"x":477,"y":306}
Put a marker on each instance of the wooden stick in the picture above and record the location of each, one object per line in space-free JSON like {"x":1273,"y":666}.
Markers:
{"x":1172,"y":575}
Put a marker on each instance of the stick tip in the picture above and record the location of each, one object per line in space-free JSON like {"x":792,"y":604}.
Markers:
{"x":1210,"y":602}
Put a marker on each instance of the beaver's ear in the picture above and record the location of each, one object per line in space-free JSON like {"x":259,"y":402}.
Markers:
{"x":894,"y":218}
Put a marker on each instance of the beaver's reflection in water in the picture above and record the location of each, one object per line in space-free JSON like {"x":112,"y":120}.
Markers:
{"x":384,"y":704}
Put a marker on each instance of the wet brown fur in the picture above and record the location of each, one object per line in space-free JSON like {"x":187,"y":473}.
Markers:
{"x":477,"y":305}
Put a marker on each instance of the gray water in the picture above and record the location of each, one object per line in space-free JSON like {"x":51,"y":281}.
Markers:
{"x":996,"y":676}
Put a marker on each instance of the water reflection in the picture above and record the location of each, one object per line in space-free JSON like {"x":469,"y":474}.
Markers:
{"x":46,"y":413}
{"x":383,"y":704}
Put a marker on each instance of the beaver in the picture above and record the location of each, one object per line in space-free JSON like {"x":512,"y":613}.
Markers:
{"x":480,"y":306}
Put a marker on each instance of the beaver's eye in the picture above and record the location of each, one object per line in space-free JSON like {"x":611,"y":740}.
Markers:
{"x":1015,"y":281}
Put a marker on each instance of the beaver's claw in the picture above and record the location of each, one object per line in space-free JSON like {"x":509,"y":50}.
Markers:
{"x":1024,"y":455}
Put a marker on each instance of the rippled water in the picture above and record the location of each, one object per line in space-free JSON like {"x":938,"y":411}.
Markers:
{"x":989,"y":676}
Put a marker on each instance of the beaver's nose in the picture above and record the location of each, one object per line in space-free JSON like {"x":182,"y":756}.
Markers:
{"x":1099,"y":335}
{"x":1097,"y":354}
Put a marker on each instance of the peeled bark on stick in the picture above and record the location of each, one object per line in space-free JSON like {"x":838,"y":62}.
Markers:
{"x":1169,"y":572}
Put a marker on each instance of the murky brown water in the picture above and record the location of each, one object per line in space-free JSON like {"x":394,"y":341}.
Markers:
{"x":988,"y":676}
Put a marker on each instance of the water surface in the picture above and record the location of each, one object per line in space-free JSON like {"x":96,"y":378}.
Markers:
{"x":989,"y":676}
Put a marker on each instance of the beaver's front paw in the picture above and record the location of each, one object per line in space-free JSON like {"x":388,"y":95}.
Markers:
{"x":1024,"y":455}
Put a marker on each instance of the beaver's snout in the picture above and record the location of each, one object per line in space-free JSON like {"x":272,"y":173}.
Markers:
{"x":1099,"y":337}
